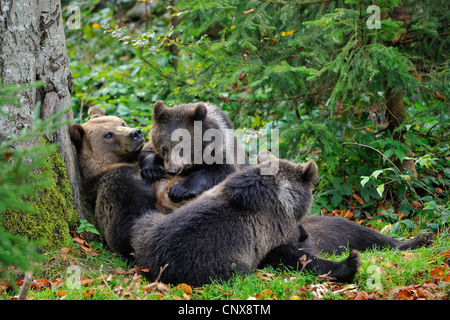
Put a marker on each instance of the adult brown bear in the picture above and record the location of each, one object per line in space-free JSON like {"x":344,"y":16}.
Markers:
{"x":107,"y":151}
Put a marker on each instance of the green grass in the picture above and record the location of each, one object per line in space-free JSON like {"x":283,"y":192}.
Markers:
{"x":381,"y":276}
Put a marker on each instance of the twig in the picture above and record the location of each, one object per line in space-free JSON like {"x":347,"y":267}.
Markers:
{"x":26,"y":285}
{"x":161,"y":269}
{"x":304,"y":261}
{"x":107,"y":284}
{"x":399,"y":172}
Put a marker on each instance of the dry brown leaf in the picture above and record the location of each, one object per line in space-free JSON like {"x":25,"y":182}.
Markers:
{"x":155,"y":286}
{"x":408,"y":255}
{"x":264,"y":294}
{"x":89,"y":293}
{"x":119,"y":270}
{"x":61,"y":294}
{"x":187,"y":289}
{"x":358,"y":198}
{"x":265,"y":276}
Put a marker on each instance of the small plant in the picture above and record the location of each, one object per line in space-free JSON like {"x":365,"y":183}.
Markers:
{"x":85,"y":226}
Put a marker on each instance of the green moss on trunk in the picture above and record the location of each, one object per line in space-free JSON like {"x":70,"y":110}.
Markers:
{"x":56,"y":215}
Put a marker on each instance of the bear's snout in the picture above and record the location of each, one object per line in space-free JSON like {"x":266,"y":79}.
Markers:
{"x":136,"y":135}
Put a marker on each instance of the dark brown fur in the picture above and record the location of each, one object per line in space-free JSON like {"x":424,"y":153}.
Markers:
{"x":336,"y":235}
{"x":156,"y":159}
{"x":232,"y":227}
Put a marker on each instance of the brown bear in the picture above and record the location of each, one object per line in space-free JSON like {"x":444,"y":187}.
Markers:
{"x":207,"y":153}
{"x":320,"y":234}
{"x":335,"y":234}
{"x":107,"y":150}
{"x":232,"y":227}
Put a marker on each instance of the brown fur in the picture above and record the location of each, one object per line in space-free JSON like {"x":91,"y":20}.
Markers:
{"x":162,"y":188}
{"x":157,"y":158}
{"x":232,"y":227}
{"x":98,"y":154}
{"x":107,"y":151}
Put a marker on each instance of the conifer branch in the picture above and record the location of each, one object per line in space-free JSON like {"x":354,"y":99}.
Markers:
{"x":297,"y":3}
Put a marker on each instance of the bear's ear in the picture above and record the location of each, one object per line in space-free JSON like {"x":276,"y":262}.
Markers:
{"x":268,"y":163}
{"x":309,"y":172}
{"x":76,"y":133}
{"x":200,"y":111}
{"x":95,"y":112}
{"x":248,"y":190}
{"x":264,"y":156}
{"x":158,"y":110}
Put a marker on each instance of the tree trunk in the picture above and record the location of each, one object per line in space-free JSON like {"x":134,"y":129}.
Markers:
{"x":395,"y":114}
{"x":32,"y":48}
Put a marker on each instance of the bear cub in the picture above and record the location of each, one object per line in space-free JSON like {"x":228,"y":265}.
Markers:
{"x":194,"y":141}
{"x":232,"y":227}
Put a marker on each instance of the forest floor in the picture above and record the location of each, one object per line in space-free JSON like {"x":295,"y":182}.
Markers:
{"x":80,"y":273}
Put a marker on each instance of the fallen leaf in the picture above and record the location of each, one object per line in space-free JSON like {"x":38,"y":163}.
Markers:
{"x":358,"y":198}
{"x":264,"y":276}
{"x":186,"y":297}
{"x":86,"y":281}
{"x":85,"y":246}
{"x":56,"y":283}
{"x":408,"y":255}
{"x":102,"y":277}
{"x":404,"y":294}
{"x":61,"y":293}
{"x":4,"y":286}
{"x":158,"y":295}
{"x":417,"y":205}
{"x":437,"y":273}
{"x":185,"y":288}
{"x":264,"y":294}
{"x":361,"y":295}
{"x":89,"y":293}
{"x":119,"y":270}
{"x":303,"y":290}
{"x":155,"y":286}
{"x":347,"y":214}
{"x":325,"y":277}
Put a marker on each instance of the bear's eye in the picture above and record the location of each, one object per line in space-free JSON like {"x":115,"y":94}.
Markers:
{"x":109,"y":135}
{"x":164,"y":150}
{"x":124,"y":124}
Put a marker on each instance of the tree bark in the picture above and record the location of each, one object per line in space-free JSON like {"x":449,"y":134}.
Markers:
{"x":32,"y":48}
{"x":395,"y":114}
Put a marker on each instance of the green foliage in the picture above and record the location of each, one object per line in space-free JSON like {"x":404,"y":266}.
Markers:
{"x":382,"y":274}
{"x":86,"y":226}
{"x":22,"y":172}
